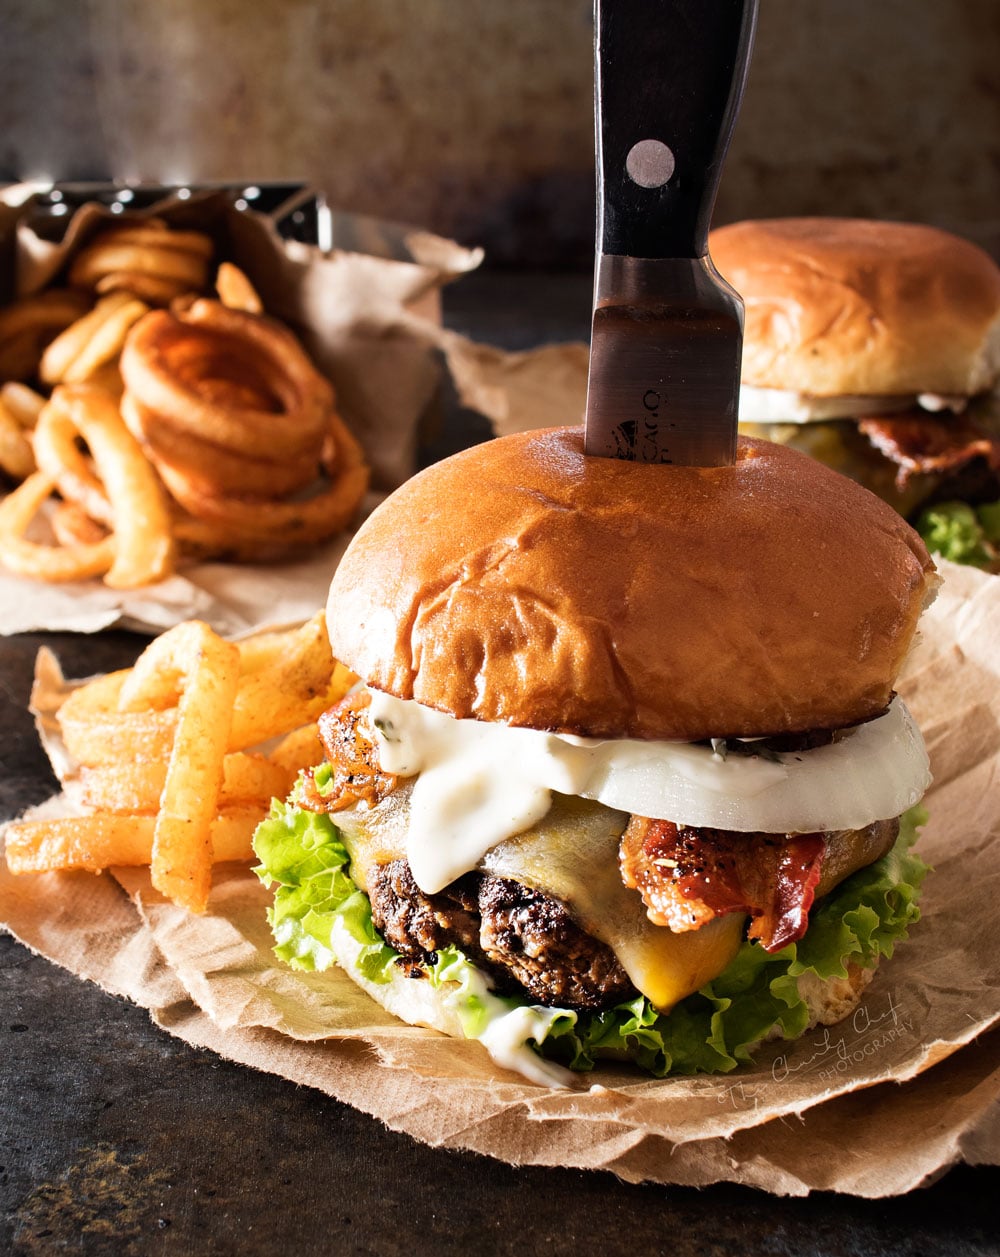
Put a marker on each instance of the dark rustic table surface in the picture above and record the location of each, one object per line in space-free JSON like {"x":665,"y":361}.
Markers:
{"x":117,"y":1138}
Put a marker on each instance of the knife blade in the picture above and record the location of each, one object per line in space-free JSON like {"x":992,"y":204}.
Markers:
{"x":667,"y":331}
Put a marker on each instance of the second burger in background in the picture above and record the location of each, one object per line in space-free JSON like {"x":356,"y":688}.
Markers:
{"x":875,"y":348}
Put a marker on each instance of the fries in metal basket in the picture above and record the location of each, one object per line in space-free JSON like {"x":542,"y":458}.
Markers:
{"x":236,"y":449}
{"x":92,"y":341}
{"x":16,"y":457}
{"x":123,"y":489}
{"x":21,"y":402}
{"x":235,"y":289}
{"x":163,"y":754}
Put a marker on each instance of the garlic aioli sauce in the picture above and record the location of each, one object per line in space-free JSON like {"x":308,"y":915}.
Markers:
{"x":480,"y":783}
{"x":505,"y":1033}
{"x":508,"y":1031}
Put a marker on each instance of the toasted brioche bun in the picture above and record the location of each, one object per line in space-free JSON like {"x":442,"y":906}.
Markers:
{"x":522,"y":582}
{"x":839,"y":306}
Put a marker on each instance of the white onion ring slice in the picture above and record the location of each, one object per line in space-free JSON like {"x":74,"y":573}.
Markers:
{"x":474,"y":776}
{"x":875,"y":773}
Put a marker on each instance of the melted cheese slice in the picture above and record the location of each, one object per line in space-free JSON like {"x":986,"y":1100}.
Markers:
{"x":572,"y":855}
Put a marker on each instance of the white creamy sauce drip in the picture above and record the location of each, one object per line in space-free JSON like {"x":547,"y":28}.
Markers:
{"x":776,"y":405}
{"x":508,"y":1032}
{"x":481,"y":783}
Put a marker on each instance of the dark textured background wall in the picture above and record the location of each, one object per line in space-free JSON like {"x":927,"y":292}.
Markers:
{"x":474,"y":117}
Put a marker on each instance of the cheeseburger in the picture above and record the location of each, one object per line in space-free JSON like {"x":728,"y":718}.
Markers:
{"x":874,"y":347}
{"x":624,"y":775}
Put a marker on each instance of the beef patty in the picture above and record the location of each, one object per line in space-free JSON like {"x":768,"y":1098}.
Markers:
{"x":524,"y":939}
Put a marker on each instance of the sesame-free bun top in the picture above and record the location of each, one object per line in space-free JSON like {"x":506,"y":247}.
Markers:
{"x":840,"y":306}
{"x":521,"y":581}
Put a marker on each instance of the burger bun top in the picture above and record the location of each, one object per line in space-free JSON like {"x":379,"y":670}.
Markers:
{"x":520,"y":581}
{"x":841,"y":306}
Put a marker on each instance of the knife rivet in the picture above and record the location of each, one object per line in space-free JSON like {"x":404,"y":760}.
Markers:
{"x":650,"y":164}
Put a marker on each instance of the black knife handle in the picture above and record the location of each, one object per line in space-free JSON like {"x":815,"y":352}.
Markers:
{"x":671,"y":73}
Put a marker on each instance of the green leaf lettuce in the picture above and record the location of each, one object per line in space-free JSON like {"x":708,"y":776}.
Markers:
{"x":962,"y":533}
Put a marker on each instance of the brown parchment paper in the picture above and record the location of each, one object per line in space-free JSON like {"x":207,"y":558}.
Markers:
{"x":874,"y":1106}
{"x":517,"y":392}
{"x":358,"y":314}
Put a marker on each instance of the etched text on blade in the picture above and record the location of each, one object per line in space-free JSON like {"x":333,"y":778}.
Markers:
{"x":662,"y":386}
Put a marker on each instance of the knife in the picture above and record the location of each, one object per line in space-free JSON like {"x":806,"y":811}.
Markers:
{"x":667,"y":336}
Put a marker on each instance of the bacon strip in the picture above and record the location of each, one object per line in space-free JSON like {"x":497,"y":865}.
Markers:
{"x":688,"y":876}
{"x":919,"y":442}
